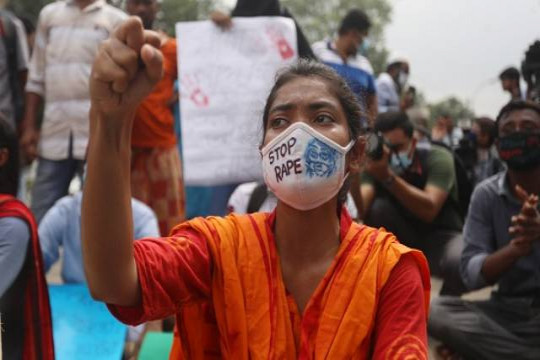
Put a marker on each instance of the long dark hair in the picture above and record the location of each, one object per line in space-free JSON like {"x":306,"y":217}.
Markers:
{"x":9,"y":173}
{"x":338,"y":87}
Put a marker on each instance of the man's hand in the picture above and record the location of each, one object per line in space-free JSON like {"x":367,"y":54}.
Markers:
{"x":29,"y":143}
{"x":125,"y":70}
{"x":407,"y":102}
{"x":379,"y":169}
{"x":525,"y":228}
{"x":221,"y":19}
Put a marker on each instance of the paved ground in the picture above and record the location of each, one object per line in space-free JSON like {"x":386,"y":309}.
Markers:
{"x":436,"y":285}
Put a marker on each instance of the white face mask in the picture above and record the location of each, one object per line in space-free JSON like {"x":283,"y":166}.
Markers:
{"x":403,"y":79}
{"x":304,"y":168}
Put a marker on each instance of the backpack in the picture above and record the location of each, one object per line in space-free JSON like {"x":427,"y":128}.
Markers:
{"x":8,"y":33}
{"x":257,"y":198}
{"x":464,"y":181}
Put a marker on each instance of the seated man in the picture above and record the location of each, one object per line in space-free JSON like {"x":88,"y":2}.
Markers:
{"x":412,"y":192}
{"x":502,"y":236}
{"x":61,"y":226}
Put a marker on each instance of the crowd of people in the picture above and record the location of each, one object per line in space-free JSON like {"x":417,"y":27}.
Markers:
{"x":333,"y":260}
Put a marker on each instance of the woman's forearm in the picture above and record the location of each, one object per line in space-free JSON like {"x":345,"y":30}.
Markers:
{"x":124,"y":72}
{"x":107,"y":230}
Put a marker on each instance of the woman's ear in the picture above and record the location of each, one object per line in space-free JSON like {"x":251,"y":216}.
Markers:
{"x":357,"y":155}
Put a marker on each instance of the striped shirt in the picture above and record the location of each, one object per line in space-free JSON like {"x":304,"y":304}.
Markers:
{"x":67,"y":40}
{"x":356,"y":70}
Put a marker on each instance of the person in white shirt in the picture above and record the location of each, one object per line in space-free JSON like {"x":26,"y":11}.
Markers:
{"x":390,"y":85}
{"x":67,"y":39}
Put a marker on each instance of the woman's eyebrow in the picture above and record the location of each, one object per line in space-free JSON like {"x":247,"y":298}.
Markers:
{"x":316,"y":105}
{"x":322,"y":104}
{"x":282,"y":107}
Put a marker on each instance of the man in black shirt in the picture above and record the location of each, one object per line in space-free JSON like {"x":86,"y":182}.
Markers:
{"x":245,"y":8}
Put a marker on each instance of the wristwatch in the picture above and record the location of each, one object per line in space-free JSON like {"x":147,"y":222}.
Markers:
{"x":389,"y":180}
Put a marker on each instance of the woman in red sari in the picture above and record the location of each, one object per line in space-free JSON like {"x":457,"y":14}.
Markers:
{"x":302,"y":282}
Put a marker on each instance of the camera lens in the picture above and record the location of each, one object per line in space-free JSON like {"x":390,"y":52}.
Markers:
{"x":374,"y":146}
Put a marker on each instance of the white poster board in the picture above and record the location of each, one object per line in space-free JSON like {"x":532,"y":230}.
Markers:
{"x":225,"y":77}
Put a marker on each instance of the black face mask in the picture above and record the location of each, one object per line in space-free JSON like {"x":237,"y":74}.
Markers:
{"x":520,"y":150}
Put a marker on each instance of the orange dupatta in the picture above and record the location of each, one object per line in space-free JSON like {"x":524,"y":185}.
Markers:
{"x":258,"y":320}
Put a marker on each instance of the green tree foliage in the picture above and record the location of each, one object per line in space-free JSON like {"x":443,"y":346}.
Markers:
{"x":320,"y":19}
{"x":452,"y":106}
{"x":173,"y":11}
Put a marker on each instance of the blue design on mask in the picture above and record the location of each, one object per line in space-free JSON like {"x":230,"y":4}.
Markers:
{"x":400,"y":162}
{"x":320,"y":159}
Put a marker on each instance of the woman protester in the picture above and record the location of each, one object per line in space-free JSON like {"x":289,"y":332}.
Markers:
{"x":302,"y":282}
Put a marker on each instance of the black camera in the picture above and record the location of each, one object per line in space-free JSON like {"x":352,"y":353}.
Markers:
{"x":374,"y":146}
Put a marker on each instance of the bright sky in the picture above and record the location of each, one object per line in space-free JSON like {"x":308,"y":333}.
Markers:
{"x":458,"y":47}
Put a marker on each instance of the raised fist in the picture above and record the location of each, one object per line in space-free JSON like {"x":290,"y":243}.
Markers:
{"x":125,"y":70}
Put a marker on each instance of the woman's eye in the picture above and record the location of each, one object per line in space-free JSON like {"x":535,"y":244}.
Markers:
{"x":278,"y":122}
{"x":323,"y":119}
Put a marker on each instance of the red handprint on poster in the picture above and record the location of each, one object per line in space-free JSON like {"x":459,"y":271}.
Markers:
{"x":191,"y":88}
{"x":285,"y":49}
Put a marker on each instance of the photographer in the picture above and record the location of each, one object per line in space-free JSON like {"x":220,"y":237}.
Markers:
{"x":501,"y":236}
{"x":412,"y":192}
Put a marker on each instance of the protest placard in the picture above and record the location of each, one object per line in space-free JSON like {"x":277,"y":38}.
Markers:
{"x":225,"y":77}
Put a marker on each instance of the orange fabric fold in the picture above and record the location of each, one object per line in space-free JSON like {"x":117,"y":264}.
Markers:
{"x":255,"y":317}
{"x":153,"y":125}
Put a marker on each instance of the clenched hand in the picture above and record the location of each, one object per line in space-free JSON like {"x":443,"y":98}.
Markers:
{"x":125,"y":70}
